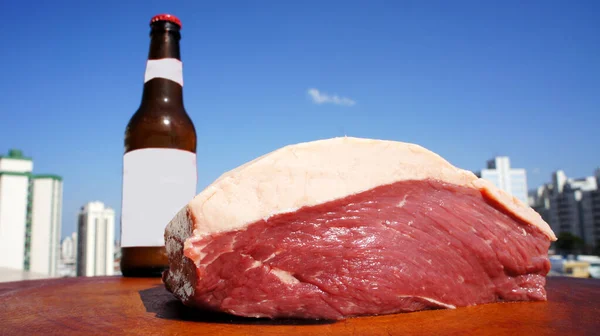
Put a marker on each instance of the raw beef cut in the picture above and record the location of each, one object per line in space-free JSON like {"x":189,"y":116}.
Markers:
{"x":348,"y":227}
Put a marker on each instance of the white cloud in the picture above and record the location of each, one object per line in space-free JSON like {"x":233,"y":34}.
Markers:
{"x":323,"y":98}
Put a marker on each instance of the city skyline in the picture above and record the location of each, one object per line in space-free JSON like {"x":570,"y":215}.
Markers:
{"x":572,"y":206}
{"x":568,"y":204}
{"x":490,"y":166}
{"x":454,"y":78}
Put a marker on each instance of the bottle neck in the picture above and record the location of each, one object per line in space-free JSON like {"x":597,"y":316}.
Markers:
{"x":163,"y":82}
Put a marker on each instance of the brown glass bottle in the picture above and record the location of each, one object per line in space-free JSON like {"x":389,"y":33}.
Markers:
{"x":159,"y":163}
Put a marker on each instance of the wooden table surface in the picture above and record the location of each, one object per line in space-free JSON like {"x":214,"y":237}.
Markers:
{"x":129,"y":306}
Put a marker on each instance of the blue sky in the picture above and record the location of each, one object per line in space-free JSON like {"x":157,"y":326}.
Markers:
{"x":466,"y":79}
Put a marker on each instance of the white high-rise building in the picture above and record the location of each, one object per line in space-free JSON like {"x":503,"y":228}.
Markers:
{"x":96,"y":236}
{"x":30,"y":216}
{"x":15,"y":208}
{"x":511,"y":180}
{"x":46,"y":224}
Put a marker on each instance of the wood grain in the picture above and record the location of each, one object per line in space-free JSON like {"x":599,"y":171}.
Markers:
{"x":130,"y":306}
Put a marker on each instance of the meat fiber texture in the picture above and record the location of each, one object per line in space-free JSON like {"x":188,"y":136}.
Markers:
{"x":347,"y":227}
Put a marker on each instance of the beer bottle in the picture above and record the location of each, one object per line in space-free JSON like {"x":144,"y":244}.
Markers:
{"x":159,"y":162}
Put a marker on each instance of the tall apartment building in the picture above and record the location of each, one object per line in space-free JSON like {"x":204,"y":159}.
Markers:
{"x":30,"y":216}
{"x":511,"y":180}
{"x":96,"y":236}
{"x":15,"y":209}
{"x":571,"y":205}
{"x":46,"y":224}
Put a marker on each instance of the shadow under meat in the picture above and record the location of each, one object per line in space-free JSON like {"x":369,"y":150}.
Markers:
{"x":161,"y":302}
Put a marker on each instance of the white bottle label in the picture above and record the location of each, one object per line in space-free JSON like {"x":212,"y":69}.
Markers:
{"x":168,"y":68}
{"x":157,"y":183}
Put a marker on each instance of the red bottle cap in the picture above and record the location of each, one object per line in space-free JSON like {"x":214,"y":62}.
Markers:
{"x":166,"y":17}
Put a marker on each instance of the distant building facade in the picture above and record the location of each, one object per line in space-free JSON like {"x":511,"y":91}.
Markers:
{"x":502,"y":175}
{"x":68,"y":248}
{"x":571,"y":205}
{"x":30,"y":216}
{"x":96,"y":236}
{"x":68,"y":256}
